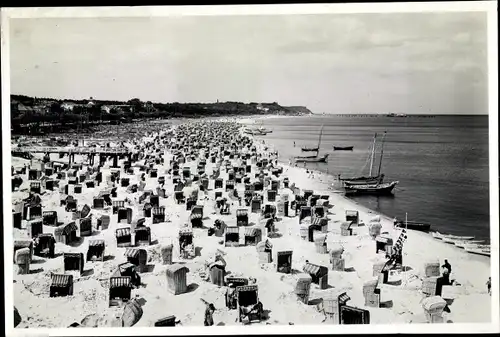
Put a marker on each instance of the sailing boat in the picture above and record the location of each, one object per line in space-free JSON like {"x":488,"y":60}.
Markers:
{"x":259,"y":131}
{"x":369,"y":179}
{"x":312,"y":149}
{"x":378,"y":188}
{"x":316,"y":158}
{"x":262,"y":129}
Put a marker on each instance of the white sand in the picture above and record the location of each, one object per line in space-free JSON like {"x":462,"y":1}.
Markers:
{"x":275,"y":289}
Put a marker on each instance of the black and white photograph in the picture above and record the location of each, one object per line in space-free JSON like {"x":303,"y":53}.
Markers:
{"x":251,"y":169}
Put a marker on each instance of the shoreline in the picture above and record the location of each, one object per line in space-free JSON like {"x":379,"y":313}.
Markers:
{"x":325,"y":188}
{"x":437,"y":221}
{"x":276,"y":290}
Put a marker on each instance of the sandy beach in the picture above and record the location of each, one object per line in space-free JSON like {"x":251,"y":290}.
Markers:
{"x":401,"y":295}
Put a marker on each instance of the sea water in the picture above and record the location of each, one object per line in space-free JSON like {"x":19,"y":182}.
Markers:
{"x":441,"y":163}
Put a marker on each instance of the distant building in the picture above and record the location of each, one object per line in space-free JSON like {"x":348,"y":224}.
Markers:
{"x":68,"y":106}
{"x":42,"y":108}
{"x":106,"y":108}
{"x":46,"y":102}
{"x":149,"y":106}
{"x":18,"y":108}
{"x":260,"y":107}
{"x":116,"y":107}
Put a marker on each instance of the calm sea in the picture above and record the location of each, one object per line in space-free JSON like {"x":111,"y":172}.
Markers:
{"x":441,"y":163}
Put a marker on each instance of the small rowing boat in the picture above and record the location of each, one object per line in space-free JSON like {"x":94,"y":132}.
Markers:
{"x":439,"y":236}
{"x":363,"y":180}
{"x":462,"y":244}
{"x":478,"y":250}
{"x":378,"y":189}
{"x":316,"y":158}
{"x":343,"y":148}
{"x":448,"y":240}
{"x":417,"y":226}
{"x":312,"y":159}
{"x":310,"y":149}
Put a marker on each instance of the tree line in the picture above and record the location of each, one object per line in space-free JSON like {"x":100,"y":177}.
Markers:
{"x":126,"y":111}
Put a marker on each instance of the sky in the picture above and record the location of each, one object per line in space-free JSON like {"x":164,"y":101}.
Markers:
{"x":422,"y":63}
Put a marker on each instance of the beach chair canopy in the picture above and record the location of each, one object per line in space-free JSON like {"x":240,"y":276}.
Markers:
{"x":252,"y":232}
{"x":230,"y":230}
{"x":350,"y":213}
{"x":247,"y":295}
{"x":175,"y":268}
{"x":120,"y":232}
{"x":433,"y":303}
{"x":320,"y":239}
{"x":314,"y":269}
{"x":96,"y":243}
{"x":345,"y":224}
{"x":185,"y":231}
{"x":336,"y":248}
{"x":61,"y":280}
{"x":120,"y":282}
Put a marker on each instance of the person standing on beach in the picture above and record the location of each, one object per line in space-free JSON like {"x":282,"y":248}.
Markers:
{"x":231,"y":295}
{"x":488,"y":284}
{"x":209,"y":311}
{"x":446,"y":272}
{"x":447,"y":265}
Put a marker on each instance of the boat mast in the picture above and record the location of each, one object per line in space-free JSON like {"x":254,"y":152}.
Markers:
{"x":320,"y":134}
{"x":381,"y":154}
{"x":373,"y":154}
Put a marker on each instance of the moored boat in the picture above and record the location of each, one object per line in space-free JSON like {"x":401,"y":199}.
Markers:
{"x":343,"y":148}
{"x":418,"y":226}
{"x":316,"y":158}
{"x":314,"y":149}
{"x":448,"y":240}
{"x":363,"y":180}
{"x":378,"y":179}
{"x":312,"y":159}
{"x":478,"y":250}
{"x":439,"y":236}
{"x":379,"y":189}
{"x":310,"y":149}
{"x":305,"y":157}
{"x":462,"y":244}
{"x":457,"y":237}
{"x":260,"y":131}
